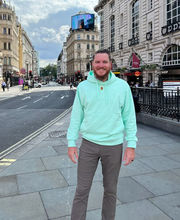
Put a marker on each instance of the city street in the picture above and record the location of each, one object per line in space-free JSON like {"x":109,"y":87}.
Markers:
{"x":22,"y":115}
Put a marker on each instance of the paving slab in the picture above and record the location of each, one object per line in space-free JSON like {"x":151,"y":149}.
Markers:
{"x":60,"y":150}
{"x":170,"y":148}
{"x":160,"y":183}
{"x":160,"y":163}
{"x":176,"y":171}
{"x":57,"y":162}
{"x":24,"y":207}
{"x":140,"y":210}
{"x":8,"y":186}
{"x":175,"y":157}
{"x":128,"y":190}
{"x":70,"y":175}
{"x":38,"y":152}
{"x":135,"y":168}
{"x":23,"y":166}
{"x":169,"y":204}
{"x":57,"y":207}
{"x":34,"y":182}
{"x":150,"y":151}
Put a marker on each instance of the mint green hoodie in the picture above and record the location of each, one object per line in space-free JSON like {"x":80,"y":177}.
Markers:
{"x":102,"y":112}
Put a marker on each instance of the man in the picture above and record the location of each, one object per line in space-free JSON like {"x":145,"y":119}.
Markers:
{"x":103,"y":109}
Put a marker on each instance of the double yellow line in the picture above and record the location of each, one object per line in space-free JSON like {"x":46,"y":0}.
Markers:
{"x":31,"y":136}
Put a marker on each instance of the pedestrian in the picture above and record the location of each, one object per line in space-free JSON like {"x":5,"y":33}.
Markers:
{"x":3,"y":84}
{"x":103,"y":110}
{"x":70,"y":85}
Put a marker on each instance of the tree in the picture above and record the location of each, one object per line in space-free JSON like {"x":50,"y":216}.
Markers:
{"x":50,"y":70}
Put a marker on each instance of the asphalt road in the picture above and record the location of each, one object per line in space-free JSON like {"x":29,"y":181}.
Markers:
{"x":22,"y":115}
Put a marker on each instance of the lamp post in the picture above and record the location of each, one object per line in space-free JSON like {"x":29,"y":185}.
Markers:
{"x":27,"y":76}
{"x":1,"y":72}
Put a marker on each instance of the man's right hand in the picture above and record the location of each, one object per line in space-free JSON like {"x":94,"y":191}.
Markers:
{"x":72,"y":153}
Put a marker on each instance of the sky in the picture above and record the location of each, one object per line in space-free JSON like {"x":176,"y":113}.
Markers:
{"x":47,"y":23}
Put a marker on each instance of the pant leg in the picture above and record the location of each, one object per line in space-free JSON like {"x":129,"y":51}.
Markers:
{"x":87,"y":164}
{"x":111,"y":158}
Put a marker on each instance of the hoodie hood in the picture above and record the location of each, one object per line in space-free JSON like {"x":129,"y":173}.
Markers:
{"x":93,"y":79}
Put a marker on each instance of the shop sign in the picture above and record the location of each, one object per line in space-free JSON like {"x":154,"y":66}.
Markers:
{"x":170,"y":28}
{"x":135,"y":61}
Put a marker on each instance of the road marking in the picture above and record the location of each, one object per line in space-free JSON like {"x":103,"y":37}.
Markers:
{"x":22,"y":107}
{"x":6,"y":162}
{"x":62,"y":97}
{"x":46,"y":96}
{"x":27,"y":97}
{"x":33,"y":135}
{"x":37,"y":100}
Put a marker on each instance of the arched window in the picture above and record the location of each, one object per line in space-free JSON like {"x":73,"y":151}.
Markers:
{"x":135,"y":19}
{"x":172,"y":56}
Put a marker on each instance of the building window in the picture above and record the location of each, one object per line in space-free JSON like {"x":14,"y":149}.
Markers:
{"x":150,"y":3}
{"x":9,"y":61}
{"x":150,"y":26}
{"x":102,"y":30}
{"x":9,"y":17}
{"x":88,"y":37}
{"x":112,"y":5}
{"x":92,"y":37}
{"x":9,"y":46}
{"x":5,"y":46}
{"x":5,"y":60}
{"x":4,"y":31}
{"x":135,"y":19}
{"x":112,"y":32}
{"x":78,"y":37}
{"x":121,"y":38}
{"x":9,"y":31}
{"x":92,"y":46}
{"x":87,"y":46}
{"x":121,"y":19}
{"x":78,"y":46}
{"x":150,"y":57}
{"x":121,"y":62}
{"x":4,"y":16}
{"x":173,"y":11}
{"x":1,"y":17}
{"x":172,"y":56}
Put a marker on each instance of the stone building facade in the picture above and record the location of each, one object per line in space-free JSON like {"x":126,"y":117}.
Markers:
{"x":81,"y":45}
{"x":143,"y":37}
{"x":17,"y":55}
{"x":62,"y":63}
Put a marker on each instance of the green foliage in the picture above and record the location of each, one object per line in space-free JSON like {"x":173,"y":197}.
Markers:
{"x":149,"y":67}
{"x":50,"y":70}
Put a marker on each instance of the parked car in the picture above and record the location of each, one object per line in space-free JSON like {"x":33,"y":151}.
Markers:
{"x":37,"y":85}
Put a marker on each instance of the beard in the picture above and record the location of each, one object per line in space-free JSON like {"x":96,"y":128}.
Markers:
{"x":101,"y":78}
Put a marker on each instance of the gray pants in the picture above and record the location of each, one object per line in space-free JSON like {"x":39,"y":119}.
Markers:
{"x":89,"y":155}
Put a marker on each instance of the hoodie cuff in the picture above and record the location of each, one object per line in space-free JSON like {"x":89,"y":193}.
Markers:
{"x":71,"y":143}
{"x":131,"y":144}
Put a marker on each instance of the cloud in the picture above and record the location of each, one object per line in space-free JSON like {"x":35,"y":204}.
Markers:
{"x":50,"y":35}
{"x":32,"y":11}
{"x":45,"y":62}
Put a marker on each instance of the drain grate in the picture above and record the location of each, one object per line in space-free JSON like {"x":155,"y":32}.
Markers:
{"x":57,"y":134}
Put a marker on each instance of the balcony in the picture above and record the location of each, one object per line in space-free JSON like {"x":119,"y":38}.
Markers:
{"x":149,"y":35}
{"x":120,"y":46}
{"x":133,"y":41}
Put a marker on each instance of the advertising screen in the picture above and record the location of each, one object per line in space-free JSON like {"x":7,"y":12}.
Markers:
{"x":82,"y":21}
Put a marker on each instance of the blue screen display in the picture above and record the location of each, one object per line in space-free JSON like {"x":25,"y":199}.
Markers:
{"x":82,"y":21}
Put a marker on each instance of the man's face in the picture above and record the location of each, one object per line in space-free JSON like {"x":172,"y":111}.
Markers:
{"x":101,"y":66}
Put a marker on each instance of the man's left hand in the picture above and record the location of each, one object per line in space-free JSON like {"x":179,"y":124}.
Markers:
{"x":129,"y":155}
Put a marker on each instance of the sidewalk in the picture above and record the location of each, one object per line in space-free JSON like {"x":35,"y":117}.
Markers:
{"x":37,"y":181}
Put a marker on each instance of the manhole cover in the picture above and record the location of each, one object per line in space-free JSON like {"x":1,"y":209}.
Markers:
{"x":57,"y":134}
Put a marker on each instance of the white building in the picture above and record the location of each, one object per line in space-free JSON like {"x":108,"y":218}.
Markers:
{"x":143,"y":37}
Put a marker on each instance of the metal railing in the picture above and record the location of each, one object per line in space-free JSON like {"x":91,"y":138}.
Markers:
{"x":157,"y":101}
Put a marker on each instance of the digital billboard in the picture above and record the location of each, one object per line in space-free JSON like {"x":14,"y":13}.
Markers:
{"x":82,"y":21}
